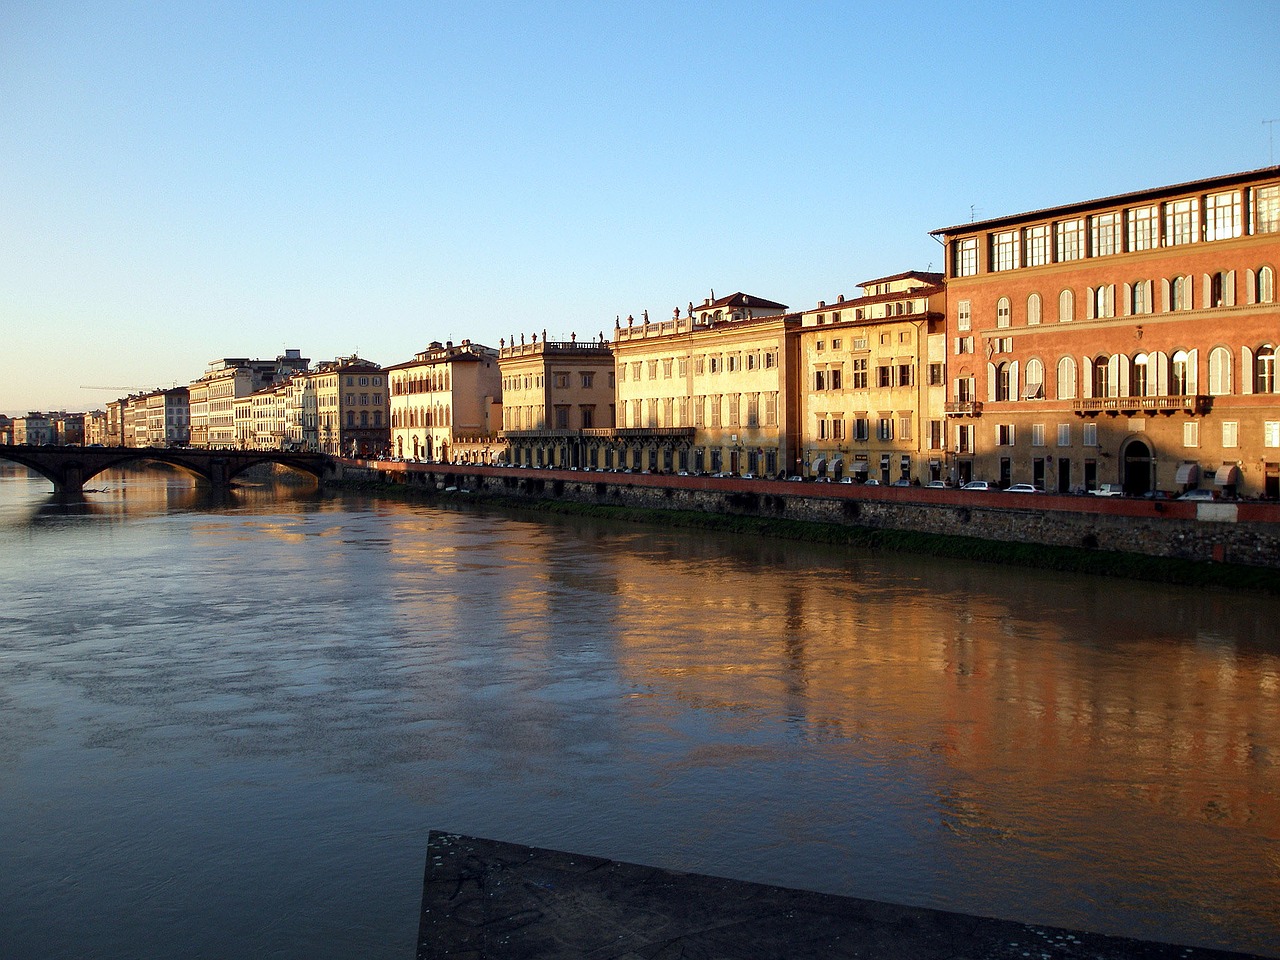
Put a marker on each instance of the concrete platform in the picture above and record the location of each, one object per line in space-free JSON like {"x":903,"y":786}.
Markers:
{"x":485,"y":900}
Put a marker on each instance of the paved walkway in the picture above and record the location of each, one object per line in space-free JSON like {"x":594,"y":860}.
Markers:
{"x":484,"y":900}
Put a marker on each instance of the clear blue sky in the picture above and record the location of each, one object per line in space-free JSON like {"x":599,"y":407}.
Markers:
{"x":190,"y":180}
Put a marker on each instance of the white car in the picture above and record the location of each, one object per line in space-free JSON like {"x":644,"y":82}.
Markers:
{"x":1200,"y":494}
{"x":1022,"y":488}
{"x":980,"y":485}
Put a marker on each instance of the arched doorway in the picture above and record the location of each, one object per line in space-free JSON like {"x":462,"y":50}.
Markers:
{"x":1138,"y":476}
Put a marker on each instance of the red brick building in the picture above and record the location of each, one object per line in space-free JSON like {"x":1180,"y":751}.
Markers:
{"x":1127,"y":340}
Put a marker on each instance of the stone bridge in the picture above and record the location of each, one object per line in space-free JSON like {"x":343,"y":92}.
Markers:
{"x":70,"y":467}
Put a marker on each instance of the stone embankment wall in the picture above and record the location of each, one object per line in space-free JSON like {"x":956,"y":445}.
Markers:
{"x":1223,"y":531}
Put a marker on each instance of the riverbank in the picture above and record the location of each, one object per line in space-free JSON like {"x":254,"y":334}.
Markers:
{"x":844,"y":521}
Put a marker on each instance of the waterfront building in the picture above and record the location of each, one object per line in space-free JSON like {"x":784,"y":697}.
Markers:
{"x":712,"y":391}
{"x":68,"y":429}
{"x":873,"y":383}
{"x":211,"y":398}
{"x":35,"y":429}
{"x":446,"y":404}
{"x":1128,"y":340}
{"x":115,"y":423}
{"x":557,"y":401}
{"x":6,"y":430}
{"x":351,"y":407}
{"x":95,"y":428}
{"x":167,"y":417}
{"x":242,"y":418}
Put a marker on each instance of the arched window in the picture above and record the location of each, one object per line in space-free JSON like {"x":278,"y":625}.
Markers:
{"x":1219,"y":371}
{"x":1139,"y":381}
{"x":1180,"y":374}
{"x":1100,"y":380}
{"x":1066,"y":306}
{"x":1180,"y":293}
{"x":1140,"y":297}
{"x":1003,"y":312}
{"x":1002,"y":381}
{"x":1264,"y":369}
{"x":1266,"y":285}
{"x":1033,"y":309}
{"x":1067,"y":378}
{"x":1035,"y":380}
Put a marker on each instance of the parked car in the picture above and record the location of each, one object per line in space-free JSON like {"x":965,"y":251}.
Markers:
{"x":1202,"y":493}
{"x":980,"y":485}
{"x":1108,"y":490}
{"x":1023,"y":488}
{"x":845,"y":480}
{"x":938,"y":485}
{"x":794,"y":479}
{"x":901,"y":482}
{"x":873,"y":482}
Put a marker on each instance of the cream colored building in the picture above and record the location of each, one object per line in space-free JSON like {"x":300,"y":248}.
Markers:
{"x":709,"y":392}
{"x":874,"y":384}
{"x":446,"y":404}
{"x":352,"y":407}
{"x":557,"y":402}
{"x":212,"y":397}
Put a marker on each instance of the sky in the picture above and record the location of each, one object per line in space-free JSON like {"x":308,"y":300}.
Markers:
{"x":185,"y":181}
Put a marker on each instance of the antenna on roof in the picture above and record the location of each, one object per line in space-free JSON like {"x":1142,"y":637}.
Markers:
{"x":971,"y":213}
{"x":1271,"y":133}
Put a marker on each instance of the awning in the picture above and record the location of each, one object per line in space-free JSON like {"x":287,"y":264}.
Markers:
{"x":820,"y":464}
{"x":859,"y":466}
{"x":837,"y":463}
{"x":1227,"y":474}
{"x":1188,"y":473}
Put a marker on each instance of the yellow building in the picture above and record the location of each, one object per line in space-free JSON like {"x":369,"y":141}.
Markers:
{"x":710,"y":391}
{"x":352,"y":407}
{"x":446,"y":404}
{"x":557,"y":402}
{"x":874,"y":384}
{"x":212,"y":398}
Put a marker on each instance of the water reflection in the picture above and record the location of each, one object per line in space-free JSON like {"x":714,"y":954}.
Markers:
{"x":274,"y":699}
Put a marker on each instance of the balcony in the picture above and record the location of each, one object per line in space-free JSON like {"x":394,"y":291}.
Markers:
{"x":1196,"y":404}
{"x":964,"y":408}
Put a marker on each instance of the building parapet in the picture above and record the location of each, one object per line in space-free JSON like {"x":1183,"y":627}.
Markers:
{"x":1091,"y":406}
{"x":541,"y":347}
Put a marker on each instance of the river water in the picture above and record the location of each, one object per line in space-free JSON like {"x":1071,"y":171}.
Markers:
{"x":229,"y":727}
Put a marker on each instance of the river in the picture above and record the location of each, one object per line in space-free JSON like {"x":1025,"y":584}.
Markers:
{"x":228,"y":727}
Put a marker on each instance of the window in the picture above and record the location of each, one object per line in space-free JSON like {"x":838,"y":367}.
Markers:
{"x":861,"y":428}
{"x":1139,"y":382}
{"x":1033,"y":310}
{"x":966,"y":257}
{"x":860,"y":373}
{"x":1181,"y":222}
{"x":1066,"y":306}
{"x":1004,"y":250}
{"x":1191,"y":434}
{"x":906,"y":375}
{"x":935,"y":375}
{"x":1102,"y":301}
{"x":1069,"y":240}
{"x":588,"y":413}
{"x":835,"y":343}
{"x":884,"y":428}
{"x":964,"y":344}
{"x":1001,"y":388}
{"x":1180,"y":374}
{"x":699,"y":411}
{"x":964,"y":389}
{"x":1066,"y":379}
{"x":1264,"y":367}
{"x":1003,"y":313}
{"x":562,"y":418}
{"x":964,"y":316}
{"x":904,"y":428}
{"x":837,"y":429}
{"x":1035,"y":380}
{"x":682,"y":367}
{"x":884,"y":376}
{"x":1090,"y":434}
{"x":1064,"y":434}
{"x":1142,"y":223}
{"x":587,"y":380}
{"x":1104,"y":234}
{"x":1222,"y":216}
{"x":834,"y":375}
{"x":1004,"y":434}
{"x":1140,"y":297}
{"x":653,"y":369}
{"x":1266,"y":209}
{"x":1180,"y":293}
{"x":935,"y":434}
{"x":1037,"y":245}
{"x":1230,"y":433}
{"x":819,"y":380}
{"x":1264,"y":290}
{"x":1219,"y":371}
{"x":715,"y":410}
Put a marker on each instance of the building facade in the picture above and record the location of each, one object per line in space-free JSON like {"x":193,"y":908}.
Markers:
{"x":212,"y":398}
{"x":557,"y":402}
{"x":1127,"y":340}
{"x":446,"y":404}
{"x":872,"y":370}
{"x":351,"y":408}
{"x":714,"y":391}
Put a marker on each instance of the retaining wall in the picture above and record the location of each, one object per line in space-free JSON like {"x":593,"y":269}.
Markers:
{"x":1243,"y":532}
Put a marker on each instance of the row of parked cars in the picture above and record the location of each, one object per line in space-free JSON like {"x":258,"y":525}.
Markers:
{"x":1102,"y":490}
